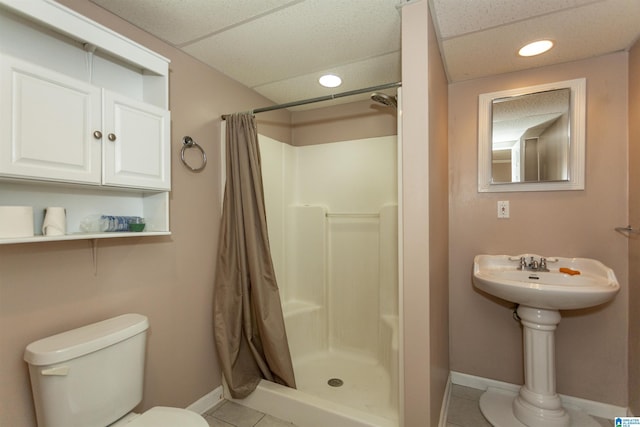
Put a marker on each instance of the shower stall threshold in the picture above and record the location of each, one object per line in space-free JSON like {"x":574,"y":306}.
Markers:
{"x":306,"y":410}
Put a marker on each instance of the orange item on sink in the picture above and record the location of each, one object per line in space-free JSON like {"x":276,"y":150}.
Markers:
{"x":569,"y":271}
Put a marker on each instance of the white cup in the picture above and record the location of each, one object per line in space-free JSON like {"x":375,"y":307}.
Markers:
{"x":55,"y":222}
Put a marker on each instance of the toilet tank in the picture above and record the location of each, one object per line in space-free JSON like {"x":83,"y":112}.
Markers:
{"x":90,"y":376}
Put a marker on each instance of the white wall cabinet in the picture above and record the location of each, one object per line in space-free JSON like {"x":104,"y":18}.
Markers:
{"x":84,"y":120}
{"x":57,"y":128}
{"x":135,"y":141}
{"x":47,"y":122}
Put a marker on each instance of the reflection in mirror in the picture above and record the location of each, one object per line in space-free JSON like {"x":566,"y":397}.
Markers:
{"x":532,"y":138}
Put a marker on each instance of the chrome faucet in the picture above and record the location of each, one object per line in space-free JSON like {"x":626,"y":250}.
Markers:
{"x":533,"y":265}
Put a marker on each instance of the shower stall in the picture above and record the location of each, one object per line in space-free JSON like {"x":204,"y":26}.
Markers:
{"x":333,"y":220}
{"x":333,"y":229}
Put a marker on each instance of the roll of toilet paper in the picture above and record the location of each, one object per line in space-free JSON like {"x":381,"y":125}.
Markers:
{"x":16,"y":221}
{"x":55,"y":222}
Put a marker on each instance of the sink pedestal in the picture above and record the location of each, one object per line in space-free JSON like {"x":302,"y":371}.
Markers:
{"x":537,"y":404}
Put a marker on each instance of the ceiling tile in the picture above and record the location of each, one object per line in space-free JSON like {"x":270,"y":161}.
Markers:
{"x":189,"y":20}
{"x":301,"y":39}
{"x":457,"y":17}
{"x":362,"y":74}
{"x":580,"y":33}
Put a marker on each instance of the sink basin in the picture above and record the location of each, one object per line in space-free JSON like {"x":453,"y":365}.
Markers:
{"x":498,"y":275}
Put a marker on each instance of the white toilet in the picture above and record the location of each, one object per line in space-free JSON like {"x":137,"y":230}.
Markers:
{"x":93,"y":376}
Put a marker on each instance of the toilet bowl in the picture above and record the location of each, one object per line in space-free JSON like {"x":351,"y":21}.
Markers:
{"x":93,"y":376}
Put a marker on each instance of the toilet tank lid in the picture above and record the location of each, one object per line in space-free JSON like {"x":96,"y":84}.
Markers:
{"x":84,"y":340}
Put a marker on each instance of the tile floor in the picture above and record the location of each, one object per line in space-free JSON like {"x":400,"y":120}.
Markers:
{"x":463,"y":412}
{"x":230,"y":414}
{"x":464,"y":409}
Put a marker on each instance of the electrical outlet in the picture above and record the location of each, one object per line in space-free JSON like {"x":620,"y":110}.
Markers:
{"x":503,"y":209}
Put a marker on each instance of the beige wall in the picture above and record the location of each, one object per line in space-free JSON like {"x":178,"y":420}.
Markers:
{"x":47,"y":288}
{"x":344,"y":122}
{"x":634,"y":220}
{"x":591,"y":344}
{"x":424,"y":217}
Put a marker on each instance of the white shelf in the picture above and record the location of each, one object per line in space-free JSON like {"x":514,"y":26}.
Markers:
{"x":82,"y":236}
{"x":82,"y":202}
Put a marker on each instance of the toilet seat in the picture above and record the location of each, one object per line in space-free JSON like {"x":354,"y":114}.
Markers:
{"x":162,"y":416}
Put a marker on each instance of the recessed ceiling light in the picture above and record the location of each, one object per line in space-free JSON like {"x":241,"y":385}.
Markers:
{"x":330,"y":80}
{"x":535,"y":48}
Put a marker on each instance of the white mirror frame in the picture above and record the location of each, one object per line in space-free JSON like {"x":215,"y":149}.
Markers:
{"x":576,"y":139}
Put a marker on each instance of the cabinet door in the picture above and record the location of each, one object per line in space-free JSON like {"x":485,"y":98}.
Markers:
{"x":136,"y":144}
{"x":47,"y":121}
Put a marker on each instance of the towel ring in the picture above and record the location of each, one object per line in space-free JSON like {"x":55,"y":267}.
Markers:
{"x":188,"y":142}
{"x":628,"y":230}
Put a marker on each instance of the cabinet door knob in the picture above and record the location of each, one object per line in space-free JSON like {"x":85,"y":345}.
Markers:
{"x":97,"y":134}
{"x":112,"y":137}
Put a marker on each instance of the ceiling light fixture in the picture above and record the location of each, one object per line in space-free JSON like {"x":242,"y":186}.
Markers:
{"x":330,"y":80}
{"x":535,"y":48}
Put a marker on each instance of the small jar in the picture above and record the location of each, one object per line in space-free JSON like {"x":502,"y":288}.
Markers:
{"x":136,"y":224}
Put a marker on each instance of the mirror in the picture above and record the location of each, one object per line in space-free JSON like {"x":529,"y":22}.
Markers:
{"x":532,"y":138}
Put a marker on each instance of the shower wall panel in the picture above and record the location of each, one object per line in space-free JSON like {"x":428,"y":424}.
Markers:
{"x":305,"y":307}
{"x":389,"y":260}
{"x":276,"y":179}
{"x":354,"y":296}
{"x":348,"y":176}
{"x":305,"y":253}
{"x":332,"y":218}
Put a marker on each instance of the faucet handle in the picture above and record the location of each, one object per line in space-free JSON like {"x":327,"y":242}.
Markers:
{"x":523,"y":263}
{"x":543,"y":263}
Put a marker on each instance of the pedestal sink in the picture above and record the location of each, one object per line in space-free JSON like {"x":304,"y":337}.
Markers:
{"x":541,"y":286}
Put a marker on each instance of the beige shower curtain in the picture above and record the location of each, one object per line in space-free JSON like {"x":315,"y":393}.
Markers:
{"x":248,"y":323}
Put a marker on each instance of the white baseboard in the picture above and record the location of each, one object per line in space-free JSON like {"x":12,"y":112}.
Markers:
{"x":602,"y":410}
{"x":208,"y":401}
{"x":481,"y":383}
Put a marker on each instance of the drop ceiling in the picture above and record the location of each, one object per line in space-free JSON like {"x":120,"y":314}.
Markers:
{"x":280,"y":48}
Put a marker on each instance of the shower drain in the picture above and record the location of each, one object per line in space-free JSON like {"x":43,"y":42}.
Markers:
{"x":335,"y":382}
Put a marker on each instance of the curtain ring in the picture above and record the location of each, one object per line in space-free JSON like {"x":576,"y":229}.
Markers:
{"x":188,"y":142}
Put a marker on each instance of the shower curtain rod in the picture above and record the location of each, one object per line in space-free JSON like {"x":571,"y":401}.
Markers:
{"x":322,"y":98}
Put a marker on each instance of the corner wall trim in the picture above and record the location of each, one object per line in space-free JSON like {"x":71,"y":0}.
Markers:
{"x":444,"y":409}
{"x":207,"y":402}
{"x":603,"y":410}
